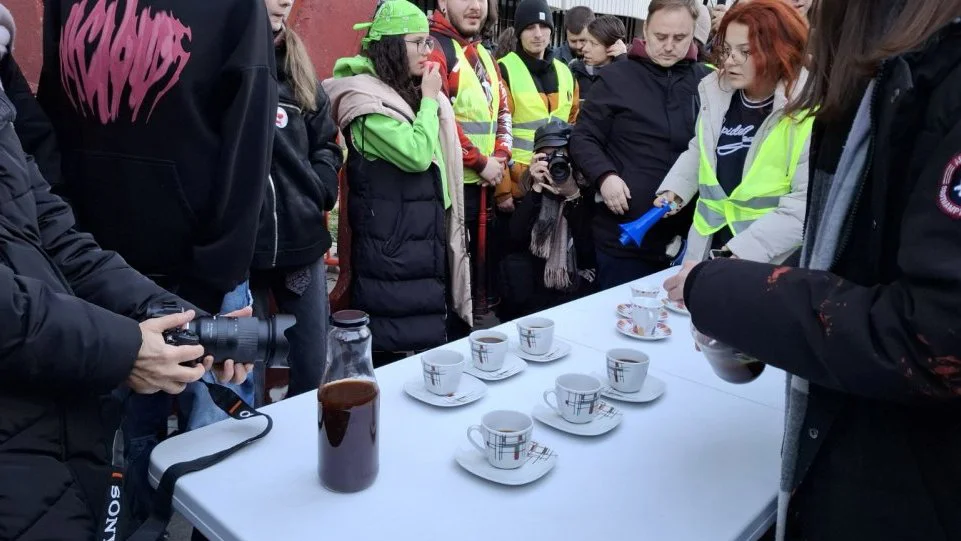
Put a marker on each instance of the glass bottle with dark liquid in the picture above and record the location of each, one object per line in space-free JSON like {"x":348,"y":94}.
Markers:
{"x":348,"y":407}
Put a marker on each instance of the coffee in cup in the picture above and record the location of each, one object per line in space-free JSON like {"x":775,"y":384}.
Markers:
{"x":506,"y":437}
{"x":488,"y":349}
{"x":627,"y":369}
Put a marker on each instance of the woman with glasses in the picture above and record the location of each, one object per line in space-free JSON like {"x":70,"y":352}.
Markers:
{"x":405,"y":201}
{"x":748,"y":161}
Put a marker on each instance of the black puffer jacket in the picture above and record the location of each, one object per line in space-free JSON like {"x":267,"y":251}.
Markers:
{"x":879,"y":336}
{"x":63,"y":348}
{"x":638,"y":119}
{"x":398,"y":253}
{"x":303,"y":180}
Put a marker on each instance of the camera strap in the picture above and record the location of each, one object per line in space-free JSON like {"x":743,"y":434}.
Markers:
{"x":155,"y":527}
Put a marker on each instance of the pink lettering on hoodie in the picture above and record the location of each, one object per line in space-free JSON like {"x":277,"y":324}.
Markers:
{"x":107,"y":63}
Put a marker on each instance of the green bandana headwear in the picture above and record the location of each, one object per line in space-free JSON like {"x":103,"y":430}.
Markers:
{"x":394,"y":18}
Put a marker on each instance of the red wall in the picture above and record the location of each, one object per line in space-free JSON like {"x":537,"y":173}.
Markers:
{"x":26,"y":46}
{"x":327,"y":28}
{"x":325,"y":25}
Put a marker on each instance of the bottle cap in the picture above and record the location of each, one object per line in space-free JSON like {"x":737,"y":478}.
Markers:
{"x":347,"y":319}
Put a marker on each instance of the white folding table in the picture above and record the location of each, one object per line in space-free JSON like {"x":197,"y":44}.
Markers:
{"x":700,"y":463}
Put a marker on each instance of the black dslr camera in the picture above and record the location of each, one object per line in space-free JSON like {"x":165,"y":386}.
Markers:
{"x":559,"y":165}
{"x":245,"y":340}
{"x":556,"y":133}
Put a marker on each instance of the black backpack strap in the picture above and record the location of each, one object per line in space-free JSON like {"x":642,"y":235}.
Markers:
{"x":155,"y":527}
{"x":447,"y":45}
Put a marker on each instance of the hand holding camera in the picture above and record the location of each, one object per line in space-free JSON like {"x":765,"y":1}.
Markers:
{"x":159,"y":365}
{"x":539,"y":171}
{"x":172,"y":338}
{"x":553,"y":172}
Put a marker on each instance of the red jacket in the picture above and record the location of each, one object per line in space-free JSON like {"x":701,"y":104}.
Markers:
{"x":442,"y":29}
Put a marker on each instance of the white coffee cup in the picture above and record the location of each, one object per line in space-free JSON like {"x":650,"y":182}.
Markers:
{"x":645,"y":315}
{"x":627,"y":369}
{"x":488,"y":349}
{"x":577,"y":396}
{"x":442,"y":371}
{"x":536,"y":335}
{"x":644,"y":290}
{"x":506,"y":436}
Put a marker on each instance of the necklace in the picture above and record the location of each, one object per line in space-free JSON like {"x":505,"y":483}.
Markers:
{"x":747,"y":102}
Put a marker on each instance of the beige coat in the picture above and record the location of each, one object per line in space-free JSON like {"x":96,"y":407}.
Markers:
{"x":776,"y":235}
{"x":359,"y":95}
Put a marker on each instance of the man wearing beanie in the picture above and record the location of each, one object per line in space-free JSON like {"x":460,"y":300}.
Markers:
{"x":539,"y":87}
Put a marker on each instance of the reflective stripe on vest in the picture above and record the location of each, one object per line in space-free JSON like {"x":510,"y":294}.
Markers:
{"x":530,"y":112}
{"x":761,"y":188}
{"x":476,"y":115}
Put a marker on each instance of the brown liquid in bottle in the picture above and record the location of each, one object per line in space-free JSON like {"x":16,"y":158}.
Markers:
{"x":347,"y":450}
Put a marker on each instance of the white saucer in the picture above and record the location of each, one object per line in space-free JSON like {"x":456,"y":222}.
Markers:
{"x":652,"y":390}
{"x":626,"y":327}
{"x":512,"y":366}
{"x":559,"y":350}
{"x":606,"y":420}
{"x":624,"y":311}
{"x":470,"y":390}
{"x":541,"y":461}
{"x":674,"y":306}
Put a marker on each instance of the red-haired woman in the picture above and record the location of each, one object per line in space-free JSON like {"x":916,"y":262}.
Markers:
{"x":748,"y":160}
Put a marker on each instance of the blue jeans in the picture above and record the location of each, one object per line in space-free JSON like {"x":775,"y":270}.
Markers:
{"x":145,"y":420}
{"x":195,"y":402}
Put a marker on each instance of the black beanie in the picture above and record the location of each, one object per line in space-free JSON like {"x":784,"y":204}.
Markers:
{"x":530,"y":12}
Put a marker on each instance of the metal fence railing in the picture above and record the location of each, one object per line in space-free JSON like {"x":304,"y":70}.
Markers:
{"x":507,"y":8}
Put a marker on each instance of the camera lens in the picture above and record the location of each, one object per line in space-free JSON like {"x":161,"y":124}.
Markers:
{"x":245,"y":340}
{"x":560,"y":168}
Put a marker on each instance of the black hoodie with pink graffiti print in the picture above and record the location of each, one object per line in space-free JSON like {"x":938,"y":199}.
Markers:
{"x":164,"y":113}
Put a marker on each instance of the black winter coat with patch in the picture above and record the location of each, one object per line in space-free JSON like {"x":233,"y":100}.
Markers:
{"x":303,"y":180}
{"x":67,"y":339}
{"x":879,"y":335}
{"x":398,"y":252}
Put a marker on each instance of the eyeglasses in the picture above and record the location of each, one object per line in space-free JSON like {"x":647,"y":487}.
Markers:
{"x":424,"y":45}
{"x":738,"y":56}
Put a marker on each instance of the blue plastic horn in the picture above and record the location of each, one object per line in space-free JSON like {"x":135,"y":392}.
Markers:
{"x":635,"y":231}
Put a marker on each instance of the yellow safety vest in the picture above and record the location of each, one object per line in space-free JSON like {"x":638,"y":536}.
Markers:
{"x":763,"y":186}
{"x":530,"y":112}
{"x":476,"y":116}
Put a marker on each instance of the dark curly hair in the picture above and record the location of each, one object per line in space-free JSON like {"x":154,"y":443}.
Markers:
{"x":389,"y":55}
